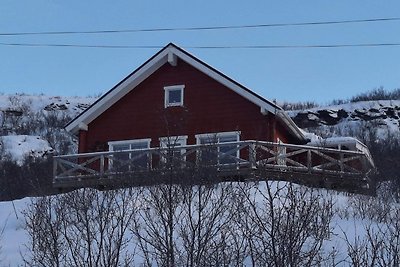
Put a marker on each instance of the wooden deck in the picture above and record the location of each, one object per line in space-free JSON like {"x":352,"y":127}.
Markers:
{"x":243,"y":160}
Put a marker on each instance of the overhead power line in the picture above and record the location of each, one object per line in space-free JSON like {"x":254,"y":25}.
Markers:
{"x":205,"y":28}
{"x":203,"y":47}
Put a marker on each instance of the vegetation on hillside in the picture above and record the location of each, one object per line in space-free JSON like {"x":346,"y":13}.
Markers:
{"x":371,"y":95}
{"x":227,"y":224}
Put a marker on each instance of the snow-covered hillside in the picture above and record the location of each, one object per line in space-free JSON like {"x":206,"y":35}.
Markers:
{"x":35,"y":103}
{"x":32,"y":126}
{"x":345,"y":119}
{"x":357,"y":226}
{"x":27,"y":121}
{"x":18,"y":147}
{"x":18,"y":111}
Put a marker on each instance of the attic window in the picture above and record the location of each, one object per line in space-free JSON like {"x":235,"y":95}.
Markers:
{"x":173,"y":95}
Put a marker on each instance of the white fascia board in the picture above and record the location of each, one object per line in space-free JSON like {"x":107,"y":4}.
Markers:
{"x":120,"y":91}
{"x":170,"y":53}
{"x":292,"y":126}
{"x":216,"y":76}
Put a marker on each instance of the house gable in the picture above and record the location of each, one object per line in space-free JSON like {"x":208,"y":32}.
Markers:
{"x":174,"y":56}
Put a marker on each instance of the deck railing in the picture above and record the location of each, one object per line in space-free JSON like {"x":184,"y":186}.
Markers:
{"x":223,"y":157}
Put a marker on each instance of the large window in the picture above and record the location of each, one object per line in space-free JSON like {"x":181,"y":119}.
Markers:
{"x":172,"y":151}
{"x":222,"y":154}
{"x":132,"y":160}
{"x":173,"y":95}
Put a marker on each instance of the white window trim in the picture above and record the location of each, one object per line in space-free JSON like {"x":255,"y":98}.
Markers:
{"x":216,"y":136}
{"x":167,"y":89}
{"x":111,"y":144}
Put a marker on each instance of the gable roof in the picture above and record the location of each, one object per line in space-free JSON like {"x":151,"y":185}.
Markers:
{"x":169,"y":54}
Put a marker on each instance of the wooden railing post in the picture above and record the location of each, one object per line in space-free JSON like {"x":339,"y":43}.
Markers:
{"x":252,"y":155}
{"x":273,"y":157}
{"x":102,"y":165}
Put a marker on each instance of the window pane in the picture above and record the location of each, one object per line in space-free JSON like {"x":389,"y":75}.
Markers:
{"x":208,"y":154}
{"x":228,"y":138}
{"x":225,"y":157}
{"x":139,"y":159}
{"x":139,"y":145}
{"x":174,"y":96}
{"x":120,"y":147}
{"x":120,"y":159}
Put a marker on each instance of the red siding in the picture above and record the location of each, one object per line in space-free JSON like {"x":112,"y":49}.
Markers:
{"x":208,"y":107}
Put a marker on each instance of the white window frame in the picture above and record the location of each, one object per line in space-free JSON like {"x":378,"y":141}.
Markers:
{"x":111,"y":145}
{"x":216,"y":136}
{"x":215,"y":139}
{"x":167,"y":90}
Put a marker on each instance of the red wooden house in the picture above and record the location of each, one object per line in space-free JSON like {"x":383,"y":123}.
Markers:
{"x":176,"y":100}
{"x":176,"y":94}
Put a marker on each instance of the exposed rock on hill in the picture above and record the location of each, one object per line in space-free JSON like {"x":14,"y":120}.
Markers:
{"x":383,"y":114}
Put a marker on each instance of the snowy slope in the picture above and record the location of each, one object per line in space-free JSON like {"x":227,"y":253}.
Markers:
{"x":71,"y":105}
{"x":25,"y":119}
{"x":18,"y":147}
{"x":346,"y":116}
{"x":383,"y":115}
{"x":15,"y":238}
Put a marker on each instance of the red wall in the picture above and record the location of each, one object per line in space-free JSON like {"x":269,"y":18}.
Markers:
{"x":209,"y":107}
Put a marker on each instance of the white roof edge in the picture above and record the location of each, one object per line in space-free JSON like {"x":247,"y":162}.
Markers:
{"x":119,"y":91}
{"x":146,"y":70}
{"x":228,"y":83}
{"x":292,"y":125}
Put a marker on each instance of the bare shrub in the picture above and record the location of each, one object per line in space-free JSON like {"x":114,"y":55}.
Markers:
{"x":284,"y":224}
{"x":81,"y":228}
{"x":377,"y":245}
{"x":299,"y":105}
{"x":205,"y":226}
{"x":155,"y":224}
{"x":376,"y":240}
{"x":377,"y":94}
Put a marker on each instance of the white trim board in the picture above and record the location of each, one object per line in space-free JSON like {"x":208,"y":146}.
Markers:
{"x":170,"y":54}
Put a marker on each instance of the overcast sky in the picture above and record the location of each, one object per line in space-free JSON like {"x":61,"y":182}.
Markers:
{"x":285,"y":74}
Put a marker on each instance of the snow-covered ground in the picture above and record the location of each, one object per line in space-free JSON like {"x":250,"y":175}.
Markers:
{"x":73,"y":105}
{"x":22,"y":118}
{"x":347,"y":119}
{"x":18,"y":147}
{"x":14,"y":240}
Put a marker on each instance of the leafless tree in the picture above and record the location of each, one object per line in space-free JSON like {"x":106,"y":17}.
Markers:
{"x":205,"y":225}
{"x":284,"y":224}
{"x":155,"y":224}
{"x":377,"y":239}
{"x":81,"y":228}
